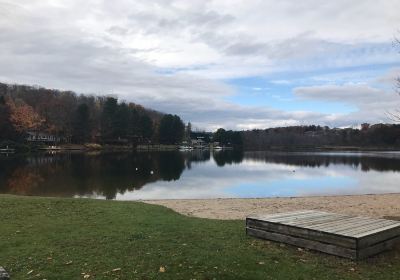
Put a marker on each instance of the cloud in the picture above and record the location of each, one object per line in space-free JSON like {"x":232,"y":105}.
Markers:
{"x":351,"y":93}
{"x":390,"y":77}
{"x":175,"y":56}
{"x":372,"y":104}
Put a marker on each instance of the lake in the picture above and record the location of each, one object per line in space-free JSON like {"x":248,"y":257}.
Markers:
{"x":199,"y":174}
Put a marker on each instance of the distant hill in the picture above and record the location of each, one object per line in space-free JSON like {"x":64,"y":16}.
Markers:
{"x":298,"y":137}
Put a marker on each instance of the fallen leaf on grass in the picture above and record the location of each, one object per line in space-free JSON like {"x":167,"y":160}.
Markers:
{"x":29,"y":272}
{"x":68,"y":262}
{"x":162,"y":269}
{"x":86,"y":276}
{"x":116,"y":269}
{"x":261,"y":263}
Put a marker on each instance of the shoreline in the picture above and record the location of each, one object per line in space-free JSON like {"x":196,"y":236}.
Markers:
{"x":23,"y":148}
{"x":370,"y":205}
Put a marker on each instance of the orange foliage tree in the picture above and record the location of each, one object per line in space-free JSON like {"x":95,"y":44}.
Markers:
{"x":22,"y":116}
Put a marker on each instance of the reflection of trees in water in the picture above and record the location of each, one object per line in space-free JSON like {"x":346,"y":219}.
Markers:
{"x":196,"y":156}
{"x":171,"y":166}
{"x":79,"y":174}
{"x":108,"y":174}
{"x":365,"y":163}
{"x":228,"y":157}
{"x":23,"y":181}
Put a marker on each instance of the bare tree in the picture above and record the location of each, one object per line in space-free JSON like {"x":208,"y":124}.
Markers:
{"x":395,"y":115}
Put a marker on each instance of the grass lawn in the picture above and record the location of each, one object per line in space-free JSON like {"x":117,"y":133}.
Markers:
{"x":49,"y":238}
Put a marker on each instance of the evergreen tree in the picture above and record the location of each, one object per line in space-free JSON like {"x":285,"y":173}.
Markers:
{"x":134,"y":120}
{"x":108,"y":118}
{"x":171,"y":129}
{"x":7,"y":131}
{"x":121,"y":124}
{"x":146,"y":127}
{"x":81,"y":124}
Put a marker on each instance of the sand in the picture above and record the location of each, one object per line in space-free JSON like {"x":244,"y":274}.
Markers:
{"x":376,"y":206}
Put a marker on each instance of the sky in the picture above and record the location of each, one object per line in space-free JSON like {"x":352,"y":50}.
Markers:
{"x":216,"y":63}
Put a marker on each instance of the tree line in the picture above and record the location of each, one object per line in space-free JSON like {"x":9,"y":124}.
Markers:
{"x":103,"y":119}
{"x":377,"y":135}
{"x":82,"y":118}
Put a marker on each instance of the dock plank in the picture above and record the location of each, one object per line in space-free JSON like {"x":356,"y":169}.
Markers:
{"x":366,"y":228}
{"x":269,"y":217}
{"x":366,"y":233}
{"x":296,"y":217}
{"x":317,"y":221}
{"x":340,"y":226}
{"x":303,"y":233}
{"x":302,"y":242}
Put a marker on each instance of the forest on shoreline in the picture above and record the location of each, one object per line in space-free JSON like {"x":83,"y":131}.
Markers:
{"x":27,"y":112}
{"x":380,"y":136}
{"x":66,"y":117}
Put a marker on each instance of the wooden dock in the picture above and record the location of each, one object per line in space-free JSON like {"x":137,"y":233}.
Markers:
{"x":7,"y":151}
{"x":341,"y":235}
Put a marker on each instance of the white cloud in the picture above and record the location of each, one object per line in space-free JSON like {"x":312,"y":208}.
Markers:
{"x":373,"y":104}
{"x":126,"y":47}
{"x":351,"y":93}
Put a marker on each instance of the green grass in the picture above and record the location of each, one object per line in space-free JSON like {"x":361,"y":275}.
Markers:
{"x":68,"y":238}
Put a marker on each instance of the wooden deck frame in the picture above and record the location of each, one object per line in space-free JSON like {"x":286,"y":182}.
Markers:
{"x":341,"y":235}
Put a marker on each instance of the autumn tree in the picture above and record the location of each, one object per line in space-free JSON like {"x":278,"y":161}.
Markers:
{"x":22,"y":116}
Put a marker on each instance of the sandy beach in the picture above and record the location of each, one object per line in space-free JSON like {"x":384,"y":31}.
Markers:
{"x":377,"y":206}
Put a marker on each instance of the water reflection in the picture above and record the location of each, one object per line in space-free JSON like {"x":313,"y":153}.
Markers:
{"x":199,"y":174}
{"x":228,"y":157}
{"x":379,"y":161}
{"x":85,"y":175}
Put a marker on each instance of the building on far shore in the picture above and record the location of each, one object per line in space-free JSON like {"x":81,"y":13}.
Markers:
{"x":199,"y":143}
{"x":42,"y":137}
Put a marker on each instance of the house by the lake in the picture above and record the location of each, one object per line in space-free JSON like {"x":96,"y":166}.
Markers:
{"x":42,"y":137}
{"x":199,"y":143}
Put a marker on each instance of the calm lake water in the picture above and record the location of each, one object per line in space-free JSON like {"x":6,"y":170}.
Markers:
{"x":200,"y":174}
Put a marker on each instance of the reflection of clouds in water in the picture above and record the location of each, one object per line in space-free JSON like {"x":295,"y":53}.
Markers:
{"x":200,"y":174}
{"x":260,"y":179}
